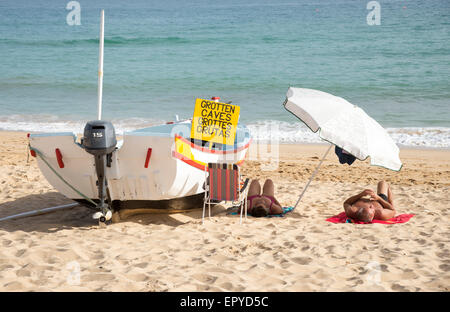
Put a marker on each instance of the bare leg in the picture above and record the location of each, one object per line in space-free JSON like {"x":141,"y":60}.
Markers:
{"x":383,"y":188}
{"x":254,"y":188}
{"x":269,"y":188}
{"x":390,"y":195}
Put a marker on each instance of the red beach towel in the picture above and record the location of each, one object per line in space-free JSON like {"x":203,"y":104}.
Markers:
{"x":342,"y":218}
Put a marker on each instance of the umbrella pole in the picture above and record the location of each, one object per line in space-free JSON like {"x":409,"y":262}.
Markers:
{"x":313,"y":175}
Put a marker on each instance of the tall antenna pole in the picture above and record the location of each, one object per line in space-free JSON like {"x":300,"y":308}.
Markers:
{"x":100,"y":65}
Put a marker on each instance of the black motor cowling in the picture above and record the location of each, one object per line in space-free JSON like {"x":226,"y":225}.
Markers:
{"x":99,"y":137}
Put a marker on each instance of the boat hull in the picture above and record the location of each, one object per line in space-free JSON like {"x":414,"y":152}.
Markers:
{"x":151,"y":164}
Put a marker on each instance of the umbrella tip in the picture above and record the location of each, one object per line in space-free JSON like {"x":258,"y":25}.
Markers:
{"x":289,"y":92}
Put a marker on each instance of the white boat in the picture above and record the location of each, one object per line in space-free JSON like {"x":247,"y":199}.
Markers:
{"x":150,"y":164}
{"x":155,"y":167}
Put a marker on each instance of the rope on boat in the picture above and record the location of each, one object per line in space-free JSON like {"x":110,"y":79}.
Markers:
{"x":59,"y":176}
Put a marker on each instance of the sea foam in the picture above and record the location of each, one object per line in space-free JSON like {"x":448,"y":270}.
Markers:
{"x":285,"y":132}
{"x":261,"y":131}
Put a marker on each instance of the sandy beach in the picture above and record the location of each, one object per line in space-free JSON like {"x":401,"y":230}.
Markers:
{"x":68,"y":251}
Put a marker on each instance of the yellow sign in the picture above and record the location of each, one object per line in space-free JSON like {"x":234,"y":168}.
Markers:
{"x":215,"y":121}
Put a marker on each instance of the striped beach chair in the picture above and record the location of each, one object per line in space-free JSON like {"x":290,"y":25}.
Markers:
{"x":222,"y":183}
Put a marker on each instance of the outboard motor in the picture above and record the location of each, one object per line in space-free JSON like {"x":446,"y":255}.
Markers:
{"x":100,"y":140}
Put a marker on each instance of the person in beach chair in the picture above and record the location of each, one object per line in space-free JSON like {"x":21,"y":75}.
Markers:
{"x":261,"y":205}
{"x":368,"y":205}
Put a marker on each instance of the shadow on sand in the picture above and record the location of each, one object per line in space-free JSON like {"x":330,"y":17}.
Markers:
{"x":81,"y":216}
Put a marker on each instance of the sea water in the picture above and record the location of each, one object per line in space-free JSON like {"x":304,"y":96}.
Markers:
{"x":162,"y":55}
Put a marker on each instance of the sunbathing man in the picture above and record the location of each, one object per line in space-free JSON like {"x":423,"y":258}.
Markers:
{"x":379,"y":206}
{"x":260,"y":205}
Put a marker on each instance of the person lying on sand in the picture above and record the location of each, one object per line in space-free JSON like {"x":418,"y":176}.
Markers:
{"x":260,"y":205}
{"x":379,"y":206}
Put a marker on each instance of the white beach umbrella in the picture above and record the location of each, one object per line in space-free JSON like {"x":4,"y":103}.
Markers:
{"x":344,"y":125}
